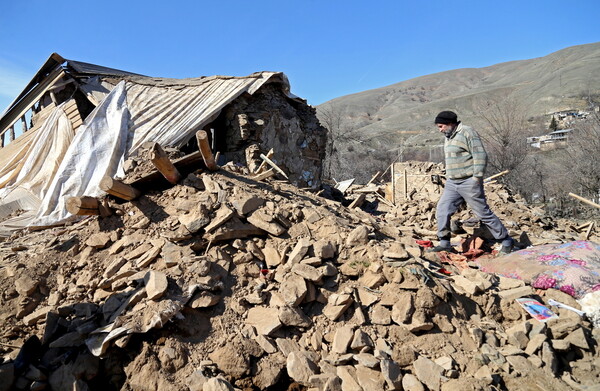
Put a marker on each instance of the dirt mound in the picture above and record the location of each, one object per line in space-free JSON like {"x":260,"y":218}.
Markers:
{"x":223,"y":282}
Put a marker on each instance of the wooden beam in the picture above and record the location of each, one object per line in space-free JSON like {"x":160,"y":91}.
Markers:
{"x":31,"y":98}
{"x":83,"y":206}
{"x":589,"y":231}
{"x":376,"y":177}
{"x":357,"y":203}
{"x":263,"y":164}
{"x":163,"y":164}
{"x":2,"y":140}
{"x":584,"y":200}
{"x":119,"y":189}
{"x":24,"y":123}
{"x":496,"y":176}
{"x":207,"y":155}
{"x":405,"y":185}
{"x":264,"y":175}
{"x":272,"y":164}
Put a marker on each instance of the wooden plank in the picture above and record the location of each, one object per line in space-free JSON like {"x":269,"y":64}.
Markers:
{"x":496,"y":176}
{"x":163,"y":164}
{"x":376,"y":176}
{"x":25,"y":128}
{"x":204,"y":147}
{"x":405,"y":185}
{"x":32,"y":98}
{"x":263,"y":164}
{"x":589,"y":231}
{"x":119,"y":189}
{"x":584,"y":200}
{"x":82,"y":206}
{"x":264,"y":175}
{"x":272,"y":164}
{"x":357,"y":203}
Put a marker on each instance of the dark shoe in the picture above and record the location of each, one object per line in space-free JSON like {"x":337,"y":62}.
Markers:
{"x":438,"y":249}
{"x":505,"y":250}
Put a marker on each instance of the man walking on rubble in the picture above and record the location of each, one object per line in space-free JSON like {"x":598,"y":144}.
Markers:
{"x":466,"y":161}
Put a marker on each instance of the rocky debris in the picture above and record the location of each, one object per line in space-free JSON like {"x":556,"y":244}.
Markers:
{"x":238,"y":284}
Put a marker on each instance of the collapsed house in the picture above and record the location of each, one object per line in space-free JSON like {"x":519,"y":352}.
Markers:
{"x":81,"y":122}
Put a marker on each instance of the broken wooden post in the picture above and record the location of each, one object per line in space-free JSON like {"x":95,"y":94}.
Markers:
{"x":272,"y":164}
{"x":584,"y":200}
{"x":264,"y":175}
{"x":163,"y":164}
{"x":264,"y":163}
{"x":83,"y":206}
{"x":119,"y":189}
{"x":357,"y":203}
{"x":393,"y":175}
{"x":12,"y":133}
{"x":405,"y":184}
{"x":207,"y":154}
{"x":2,"y":140}
{"x":496,"y":176}
{"x":589,"y":231}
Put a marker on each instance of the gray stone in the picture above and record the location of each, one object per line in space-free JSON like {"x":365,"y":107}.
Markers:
{"x":324,"y":249}
{"x":429,"y":373}
{"x":368,"y":378}
{"x":308,"y":272}
{"x":535,"y":344}
{"x":247,"y":204}
{"x":266,"y":343}
{"x":549,"y":358}
{"x":396,"y":251}
{"x":26,"y":285}
{"x":411,"y":383}
{"x":381,"y":315}
{"x":392,"y":374}
{"x":299,"y":251}
{"x":578,"y":338}
{"x":265,"y":320}
{"x":348,"y":376}
{"x":366,"y":360}
{"x":341,"y":340}
{"x":156,"y":284}
{"x":300,"y":367}
{"x":272,"y":256}
{"x":520,"y":364}
{"x":358,"y":236}
{"x":361,"y":340}
{"x":217,"y":384}
{"x":403,"y":308}
{"x":293,"y":316}
{"x":293,"y":289}
{"x":515,"y":293}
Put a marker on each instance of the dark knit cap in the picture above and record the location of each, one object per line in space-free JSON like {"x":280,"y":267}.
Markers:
{"x":446,"y":118}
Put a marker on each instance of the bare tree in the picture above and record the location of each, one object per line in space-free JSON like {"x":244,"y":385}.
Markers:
{"x":504,"y":133}
{"x":339,"y":129}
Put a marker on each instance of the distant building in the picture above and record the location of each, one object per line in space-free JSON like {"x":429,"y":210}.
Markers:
{"x":552,"y":140}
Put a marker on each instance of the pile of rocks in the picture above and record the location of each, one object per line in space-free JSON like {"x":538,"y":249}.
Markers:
{"x":222,"y":282}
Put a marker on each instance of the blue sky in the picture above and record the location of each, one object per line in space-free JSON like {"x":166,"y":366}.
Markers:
{"x":328,"y":48}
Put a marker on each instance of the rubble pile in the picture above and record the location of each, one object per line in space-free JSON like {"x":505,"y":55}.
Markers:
{"x":222,"y":282}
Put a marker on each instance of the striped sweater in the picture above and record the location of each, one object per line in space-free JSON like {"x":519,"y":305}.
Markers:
{"x":465,"y":155}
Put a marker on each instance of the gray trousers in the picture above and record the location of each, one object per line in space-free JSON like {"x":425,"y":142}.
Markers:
{"x":471,"y":191}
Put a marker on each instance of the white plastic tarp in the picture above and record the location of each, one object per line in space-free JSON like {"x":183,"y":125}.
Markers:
{"x":29,"y":165}
{"x":130,"y":115}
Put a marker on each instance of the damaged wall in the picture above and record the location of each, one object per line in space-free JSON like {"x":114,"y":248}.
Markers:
{"x":254,"y":124}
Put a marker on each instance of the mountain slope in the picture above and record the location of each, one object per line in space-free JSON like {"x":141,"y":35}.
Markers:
{"x":385,"y":117}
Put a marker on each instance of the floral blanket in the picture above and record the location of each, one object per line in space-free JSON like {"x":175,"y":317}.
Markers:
{"x":572,"y":267}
